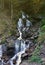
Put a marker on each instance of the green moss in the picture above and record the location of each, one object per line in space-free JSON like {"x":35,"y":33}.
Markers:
{"x":41,"y":37}
{"x":35,"y":56}
{"x":43,"y":28}
{"x":43,"y":22}
{"x":3,"y":40}
{"x":36,"y":59}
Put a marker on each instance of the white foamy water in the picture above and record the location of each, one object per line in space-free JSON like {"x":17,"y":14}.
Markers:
{"x":28,"y":23}
{"x":27,"y":16}
{"x":20,"y":23}
{"x":23,"y":15}
{"x":20,"y":35}
{"x":0,"y":51}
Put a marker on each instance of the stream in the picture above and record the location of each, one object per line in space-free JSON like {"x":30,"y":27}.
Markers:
{"x":20,"y":44}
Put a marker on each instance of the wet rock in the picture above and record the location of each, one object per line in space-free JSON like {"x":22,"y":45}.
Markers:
{"x":42,"y":52}
{"x":4,"y":48}
{"x":43,"y":61}
{"x":29,"y":49}
{"x":35,"y":36}
{"x":10,"y":51}
{"x":17,"y":34}
{"x":32,"y":38}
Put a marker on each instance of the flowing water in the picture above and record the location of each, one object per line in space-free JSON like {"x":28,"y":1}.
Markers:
{"x":20,"y":44}
{"x":0,"y":52}
{"x":23,"y":15}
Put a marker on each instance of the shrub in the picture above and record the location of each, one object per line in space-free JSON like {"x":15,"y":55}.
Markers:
{"x":41,"y":37}
{"x":43,"y":22}
{"x":35,"y":56}
{"x":3,"y":41}
{"x":43,"y":28}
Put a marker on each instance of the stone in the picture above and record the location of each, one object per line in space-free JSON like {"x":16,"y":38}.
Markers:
{"x":32,"y":38}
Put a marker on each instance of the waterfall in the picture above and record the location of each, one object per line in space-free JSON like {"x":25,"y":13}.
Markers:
{"x":20,"y":44}
{"x":20,"y":22}
{"x":1,"y":52}
{"x":20,"y":35}
{"x":28,"y":23}
{"x":20,"y":26}
{"x":20,"y":49}
{"x":23,"y":15}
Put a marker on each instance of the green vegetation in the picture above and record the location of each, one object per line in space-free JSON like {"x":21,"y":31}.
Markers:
{"x":3,"y":41}
{"x":43,"y":22}
{"x":43,"y":28}
{"x":41,"y":37}
{"x":35,"y":56}
{"x":32,"y":7}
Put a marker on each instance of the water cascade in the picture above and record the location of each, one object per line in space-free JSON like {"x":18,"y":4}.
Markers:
{"x":20,"y":43}
{"x":1,"y":55}
{"x":23,"y":15}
